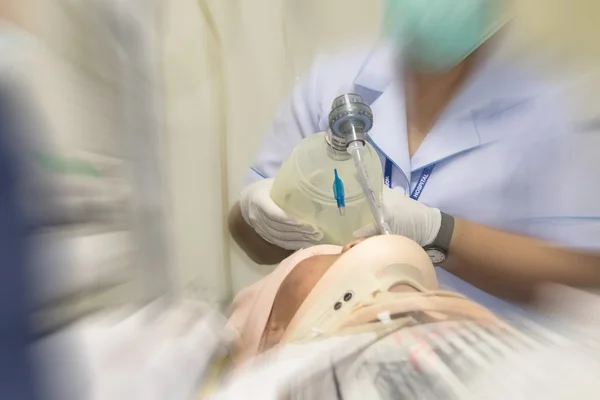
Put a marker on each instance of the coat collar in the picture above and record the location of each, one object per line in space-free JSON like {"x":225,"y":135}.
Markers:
{"x":493,"y":94}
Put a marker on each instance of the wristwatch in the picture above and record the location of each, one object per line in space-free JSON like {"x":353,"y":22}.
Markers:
{"x":438,"y":250}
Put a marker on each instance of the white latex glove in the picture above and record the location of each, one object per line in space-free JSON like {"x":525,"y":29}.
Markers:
{"x":406,"y":217}
{"x":271,"y":222}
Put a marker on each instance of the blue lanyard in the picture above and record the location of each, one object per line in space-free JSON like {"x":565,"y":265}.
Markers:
{"x":416,"y":193}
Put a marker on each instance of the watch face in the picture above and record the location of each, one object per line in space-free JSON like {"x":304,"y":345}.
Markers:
{"x":437,"y":256}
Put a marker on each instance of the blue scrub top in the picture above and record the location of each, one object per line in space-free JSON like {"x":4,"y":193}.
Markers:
{"x":507,"y":151}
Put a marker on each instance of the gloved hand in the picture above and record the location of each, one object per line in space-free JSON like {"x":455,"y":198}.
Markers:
{"x":271,"y":222}
{"x":406,"y":217}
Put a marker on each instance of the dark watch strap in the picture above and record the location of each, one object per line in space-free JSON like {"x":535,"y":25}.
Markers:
{"x":442,"y":240}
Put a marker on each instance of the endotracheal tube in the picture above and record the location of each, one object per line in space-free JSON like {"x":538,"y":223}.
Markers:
{"x":356,"y":150}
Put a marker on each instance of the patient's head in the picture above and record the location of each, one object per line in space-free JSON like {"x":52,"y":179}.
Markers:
{"x":326,"y":283}
{"x":295,"y":289}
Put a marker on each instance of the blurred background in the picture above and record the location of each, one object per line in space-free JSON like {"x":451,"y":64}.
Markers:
{"x":144,"y":116}
{"x":173,"y":98}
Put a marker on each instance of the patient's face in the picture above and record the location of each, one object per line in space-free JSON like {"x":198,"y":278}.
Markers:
{"x":300,"y":282}
{"x":294,"y":290}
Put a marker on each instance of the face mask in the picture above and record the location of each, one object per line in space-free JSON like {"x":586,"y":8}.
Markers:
{"x":436,"y":35}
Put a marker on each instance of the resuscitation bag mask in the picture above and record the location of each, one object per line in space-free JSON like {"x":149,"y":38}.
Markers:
{"x":436,"y":35}
{"x":367,"y":270}
{"x":333,"y":180}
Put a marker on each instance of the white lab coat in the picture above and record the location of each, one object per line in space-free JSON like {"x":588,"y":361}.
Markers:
{"x":506,"y":152}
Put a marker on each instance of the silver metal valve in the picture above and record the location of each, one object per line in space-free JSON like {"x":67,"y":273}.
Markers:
{"x":349,"y":120}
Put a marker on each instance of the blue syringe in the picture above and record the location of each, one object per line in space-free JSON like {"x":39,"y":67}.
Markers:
{"x":338,"y":192}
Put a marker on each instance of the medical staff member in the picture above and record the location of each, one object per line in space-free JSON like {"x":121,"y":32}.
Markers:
{"x":481,"y":164}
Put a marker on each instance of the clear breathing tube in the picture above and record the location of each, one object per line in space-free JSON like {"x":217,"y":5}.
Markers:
{"x":356,"y":150}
